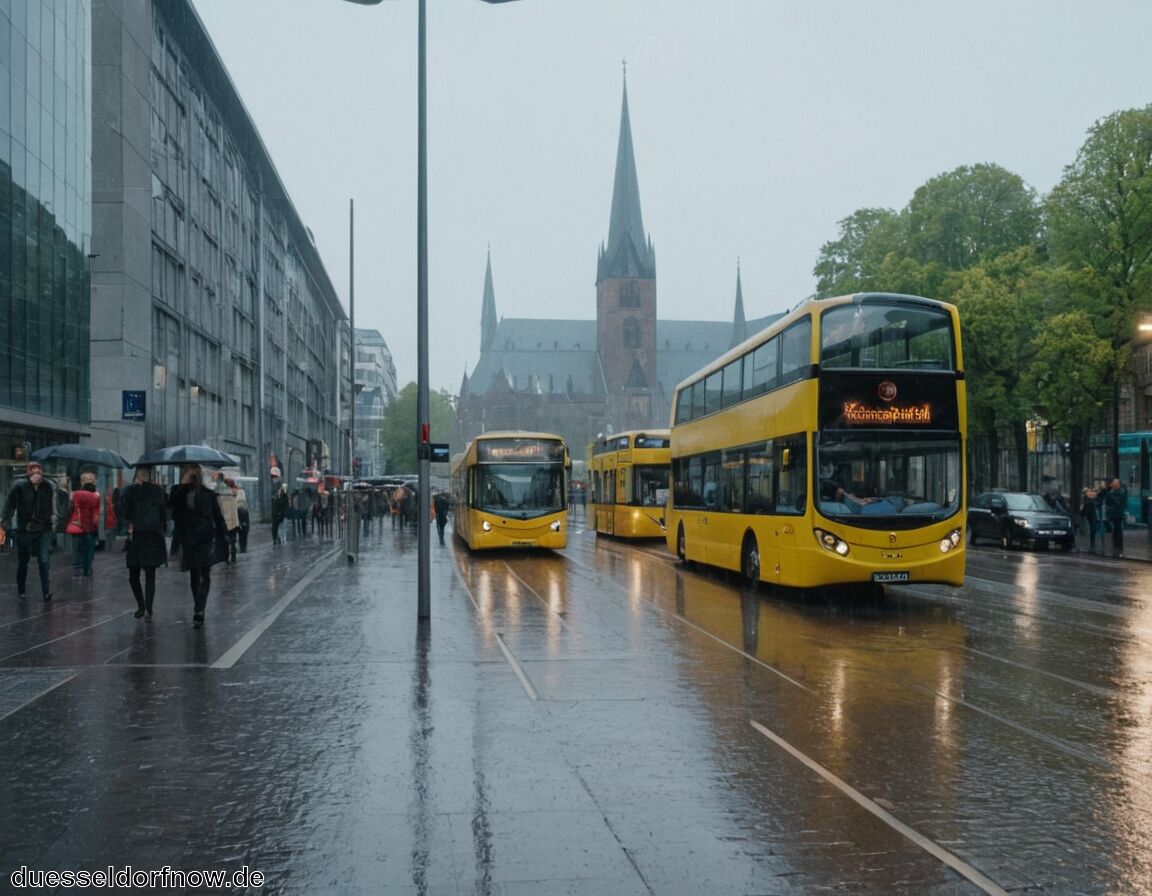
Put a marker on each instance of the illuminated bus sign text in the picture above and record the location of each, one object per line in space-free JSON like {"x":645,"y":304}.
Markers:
{"x":856,"y":412}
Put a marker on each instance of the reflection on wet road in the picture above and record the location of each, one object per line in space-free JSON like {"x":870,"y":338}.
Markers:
{"x":597,"y":720}
{"x":1007,"y":723}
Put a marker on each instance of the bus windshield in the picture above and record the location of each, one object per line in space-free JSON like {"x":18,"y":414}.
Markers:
{"x":880,"y":475}
{"x":527,"y":489}
{"x":887,"y":336}
{"x":650,"y":486}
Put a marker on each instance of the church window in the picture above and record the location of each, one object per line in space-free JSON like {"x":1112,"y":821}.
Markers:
{"x":631,"y":333}
{"x":630,"y":294}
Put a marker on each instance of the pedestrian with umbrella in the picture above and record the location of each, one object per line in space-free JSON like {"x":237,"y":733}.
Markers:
{"x":145,"y":515}
{"x":200,"y":536}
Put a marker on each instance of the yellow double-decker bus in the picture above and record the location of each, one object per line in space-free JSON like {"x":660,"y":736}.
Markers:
{"x":509,"y":491}
{"x":628,"y":482}
{"x":827,"y":449}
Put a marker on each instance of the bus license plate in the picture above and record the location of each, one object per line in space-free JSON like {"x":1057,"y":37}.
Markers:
{"x":524,"y":543}
{"x":889,"y":577}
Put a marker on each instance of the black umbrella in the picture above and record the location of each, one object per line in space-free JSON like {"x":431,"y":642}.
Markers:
{"x":187,"y":454}
{"x":85,"y":454}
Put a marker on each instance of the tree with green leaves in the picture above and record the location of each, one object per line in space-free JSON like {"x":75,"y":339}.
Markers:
{"x":849,"y":264}
{"x":1070,"y":375}
{"x":997,"y":326}
{"x":970,"y":215}
{"x":398,"y":434}
{"x":1100,"y":221}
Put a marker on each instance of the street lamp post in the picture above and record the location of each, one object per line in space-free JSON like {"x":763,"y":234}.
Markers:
{"x":423,"y":484}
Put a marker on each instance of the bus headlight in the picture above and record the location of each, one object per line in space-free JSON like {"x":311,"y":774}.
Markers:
{"x":555,"y":525}
{"x":831,"y":542}
{"x":951,"y":540}
{"x":486,"y":526}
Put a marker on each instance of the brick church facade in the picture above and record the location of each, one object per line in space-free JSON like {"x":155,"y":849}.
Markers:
{"x":582,"y":378}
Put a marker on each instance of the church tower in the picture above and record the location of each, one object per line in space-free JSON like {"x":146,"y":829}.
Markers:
{"x":739,"y":325}
{"x":626,"y":296}
{"x":488,"y":312}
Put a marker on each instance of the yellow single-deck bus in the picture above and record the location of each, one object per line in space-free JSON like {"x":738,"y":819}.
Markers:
{"x":827,"y":449}
{"x":628,"y":475}
{"x":509,"y":491}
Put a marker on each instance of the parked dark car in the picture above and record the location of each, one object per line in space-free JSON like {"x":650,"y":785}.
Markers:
{"x":1017,"y":518}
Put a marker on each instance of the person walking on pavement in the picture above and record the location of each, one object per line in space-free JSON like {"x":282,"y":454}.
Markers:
{"x":84,"y":524}
{"x":242,"y":513}
{"x":279,"y":512}
{"x":200,"y":535}
{"x":301,"y":507}
{"x":1115,"y":511}
{"x":1089,"y":513}
{"x":440,"y":505}
{"x":144,"y":512}
{"x":33,"y":500}
{"x":226,"y":496}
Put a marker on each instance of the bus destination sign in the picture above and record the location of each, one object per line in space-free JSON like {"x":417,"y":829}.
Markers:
{"x":857,"y":413}
{"x":520,"y":450}
{"x":851,"y":400}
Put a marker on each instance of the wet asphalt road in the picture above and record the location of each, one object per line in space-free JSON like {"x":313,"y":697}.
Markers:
{"x":597,"y":720}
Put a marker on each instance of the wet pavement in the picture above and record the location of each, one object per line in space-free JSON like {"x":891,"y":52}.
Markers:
{"x":595,"y":720}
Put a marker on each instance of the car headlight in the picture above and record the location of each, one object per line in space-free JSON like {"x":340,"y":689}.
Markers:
{"x":1023,"y":524}
{"x":831,"y":542}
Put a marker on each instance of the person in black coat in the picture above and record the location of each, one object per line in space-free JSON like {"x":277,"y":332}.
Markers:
{"x":144,"y":512}
{"x":200,"y":535}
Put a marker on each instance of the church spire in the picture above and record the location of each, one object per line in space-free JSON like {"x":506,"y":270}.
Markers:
{"x":488,"y":314}
{"x":629,"y":253}
{"x":739,"y":326}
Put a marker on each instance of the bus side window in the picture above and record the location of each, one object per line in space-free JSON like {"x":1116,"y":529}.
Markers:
{"x":792,"y":472}
{"x":760,"y":493}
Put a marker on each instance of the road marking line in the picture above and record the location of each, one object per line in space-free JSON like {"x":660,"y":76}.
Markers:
{"x":504,"y":648}
{"x":43,"y":693}
{"x":517,"y":668}
{"x":951,"y":860}
{"x":229,"y":659}
{"x":65,"y":637}
{"x":1056,"y":743}
{"x":652,"y":605}
{"x":532,"y":591}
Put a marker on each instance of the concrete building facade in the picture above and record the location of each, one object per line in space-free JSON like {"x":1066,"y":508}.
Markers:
{"x":209,"y":298}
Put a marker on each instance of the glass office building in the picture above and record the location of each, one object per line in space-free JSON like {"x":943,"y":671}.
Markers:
{"x":45,"y":224}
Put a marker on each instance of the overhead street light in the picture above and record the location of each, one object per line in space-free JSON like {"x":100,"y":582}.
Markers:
{"x":423,"y":484}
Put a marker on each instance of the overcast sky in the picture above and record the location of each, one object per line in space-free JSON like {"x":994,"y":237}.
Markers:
{"x":758,"y":125}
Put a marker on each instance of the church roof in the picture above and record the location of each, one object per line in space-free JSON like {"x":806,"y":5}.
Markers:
{"x":542,"y":355}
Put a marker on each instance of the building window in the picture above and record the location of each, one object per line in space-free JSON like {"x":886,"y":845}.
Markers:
{"x":631,"y":333}
{"x":630,"y":294}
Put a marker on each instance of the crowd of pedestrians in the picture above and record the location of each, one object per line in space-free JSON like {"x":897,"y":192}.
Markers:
{"x":1105,"y":508}
{"x":204,"y":520}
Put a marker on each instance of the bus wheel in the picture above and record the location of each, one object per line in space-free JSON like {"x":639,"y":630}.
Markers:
{"x":681,"y":553}
{"x":750,"y":562}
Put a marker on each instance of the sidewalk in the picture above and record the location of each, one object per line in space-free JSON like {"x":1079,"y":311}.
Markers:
{"x":1137,"y":544}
